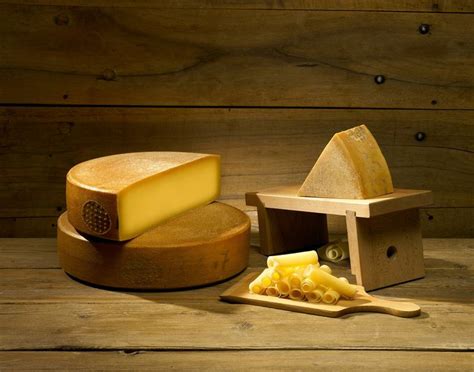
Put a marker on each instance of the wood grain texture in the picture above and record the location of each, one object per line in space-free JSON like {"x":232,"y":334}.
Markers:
{"x":386,"y":249}
{"x":225,"y":57}
{"x":282,"y":231}
{"x":260,"y":148}
{"x":86,"y":317}
{"x":11,"y":227}
{"x":155,"y":325}
{"x":436,"y":222}
{"x":266,"y":360}
{"x":448,"y":279}
{"x":54,"y":286}
{"x":354,"y":5}
{"x":40,"y":253}
{"x":286,"y":198}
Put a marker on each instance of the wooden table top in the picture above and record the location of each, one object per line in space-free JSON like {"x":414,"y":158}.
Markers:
{"x":48,"y":320}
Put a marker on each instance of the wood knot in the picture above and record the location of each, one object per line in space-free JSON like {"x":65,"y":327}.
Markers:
{"x":244,"y":326}
{"x":61,"y":20}
{"x":109,"y":75}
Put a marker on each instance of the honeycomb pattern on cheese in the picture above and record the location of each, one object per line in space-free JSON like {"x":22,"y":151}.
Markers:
{"x":96,"y":217}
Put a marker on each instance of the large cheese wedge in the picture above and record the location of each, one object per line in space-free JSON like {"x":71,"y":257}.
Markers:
{"x":351,"y":166}
{"x":121,"y":196}
{"x":205,"y":245}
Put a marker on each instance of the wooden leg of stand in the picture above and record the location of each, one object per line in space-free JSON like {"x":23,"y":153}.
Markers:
{"x":386,"y":249}
{"x":284,"y":231}
{"x":353,"y":240}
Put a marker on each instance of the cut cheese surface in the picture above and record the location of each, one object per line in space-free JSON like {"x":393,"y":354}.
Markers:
{"x":351,"y":166}
{"x":205,"y":245}
{"x":121,"y":196}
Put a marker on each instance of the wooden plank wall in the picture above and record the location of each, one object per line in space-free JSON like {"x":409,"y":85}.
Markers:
{"x":264,"y":83}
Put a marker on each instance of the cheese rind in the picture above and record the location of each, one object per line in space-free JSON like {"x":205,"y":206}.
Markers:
{"x":351,"y":166}
{"x":205,"y":245}
{"x":121,"y":196}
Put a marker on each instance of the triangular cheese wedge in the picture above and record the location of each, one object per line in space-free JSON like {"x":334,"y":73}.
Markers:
{"x":351,"y":166}
{"x":119,"y":197}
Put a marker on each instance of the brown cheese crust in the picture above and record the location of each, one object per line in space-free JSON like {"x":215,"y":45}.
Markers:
{"x":202,"y":246}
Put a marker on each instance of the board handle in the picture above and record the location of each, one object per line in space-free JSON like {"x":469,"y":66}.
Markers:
{"x":397,"y":308}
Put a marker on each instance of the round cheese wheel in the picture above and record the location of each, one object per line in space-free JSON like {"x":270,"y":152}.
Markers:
{"x":202,"y":246}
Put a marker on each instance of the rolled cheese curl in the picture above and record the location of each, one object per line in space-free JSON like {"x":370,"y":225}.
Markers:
{"x":319,"y":276}
{"x":308,"y":285}
{"x":308,"y":269}
{"x":315,"y":296}
{"x":256,"y":287}
{"x":272,"y":291}
{"x":331,"y":297}
{"x":283,"y":271}
{"x":293,"y":259}
{"x":261,"y":282}
{"x":326,"y":269}
{"x":335,"y":251}
{"x":283,"y":286}
{"x":296,"y":277}
{"x":273,"y":275}
{"x":296,"y":294}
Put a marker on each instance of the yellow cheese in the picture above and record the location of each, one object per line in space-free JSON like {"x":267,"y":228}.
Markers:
{"x":299,"y":277}
{"x":121,"y":196}
{"x":351,"y":166}
{"x":331,"y":297}
{"x":293,"y":259}
{"x":205,"y":245}
{"x":320,"y":277}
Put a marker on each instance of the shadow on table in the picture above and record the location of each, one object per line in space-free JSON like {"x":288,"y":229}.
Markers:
{"x":445,"y":281}
{"x":205,"y":297}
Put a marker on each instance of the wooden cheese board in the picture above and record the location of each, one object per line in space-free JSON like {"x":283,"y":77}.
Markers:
{"x":363,"y":302}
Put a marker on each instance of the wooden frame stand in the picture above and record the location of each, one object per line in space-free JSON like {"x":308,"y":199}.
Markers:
{"x":384,"y":233}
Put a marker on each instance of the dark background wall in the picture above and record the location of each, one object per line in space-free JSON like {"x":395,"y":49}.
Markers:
{"x":264,"y":83}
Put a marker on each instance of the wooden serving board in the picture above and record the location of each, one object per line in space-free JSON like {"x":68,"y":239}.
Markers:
{"x":363,"y":302}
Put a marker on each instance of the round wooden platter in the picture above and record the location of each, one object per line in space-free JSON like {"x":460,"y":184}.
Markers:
{"x":205,"y":245}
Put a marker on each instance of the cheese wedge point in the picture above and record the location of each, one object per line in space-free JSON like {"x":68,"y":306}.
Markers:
{"x":351,"y":166}
{"x":121,"y":196}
